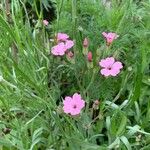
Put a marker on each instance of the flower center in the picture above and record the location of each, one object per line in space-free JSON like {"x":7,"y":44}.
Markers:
{"x":109,"y":68}
{"x":74,"y":106}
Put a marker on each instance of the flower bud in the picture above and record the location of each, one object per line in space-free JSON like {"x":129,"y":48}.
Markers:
{"x":96,"y":104}
{"x":70,"y":54}
{"x":85,"y":43}
{"x":89,"y":56}
{"x":70,"y":57}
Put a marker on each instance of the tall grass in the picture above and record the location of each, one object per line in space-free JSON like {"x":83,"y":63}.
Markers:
{"x":33,"y":83}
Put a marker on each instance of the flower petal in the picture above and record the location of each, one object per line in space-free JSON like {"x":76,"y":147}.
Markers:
{"x":69,"y":44}
{"x":62,"y":37}
{"x":59,"y":49}
{"x":105,"y":72}
{"x":76,"y":96}
{"x":75,"y":112}
{"x":80,"y":104}
{"x":117,"y":65}
{"x":114,"y":72}
{"x":104,"y":34}
{"x":108,"y":62}
{"x":67,"y":100}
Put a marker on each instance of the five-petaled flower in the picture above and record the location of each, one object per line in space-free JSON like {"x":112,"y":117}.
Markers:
{"x":110,"y":37}
{"x":73,"y":105}
{"x":110,"y":67}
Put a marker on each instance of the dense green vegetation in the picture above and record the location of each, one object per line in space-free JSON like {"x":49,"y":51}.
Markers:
{"x":34,"y":82}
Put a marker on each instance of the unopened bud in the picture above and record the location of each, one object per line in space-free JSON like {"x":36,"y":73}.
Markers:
{"x":70,"y":54}
{"x":85,"y":43}
{"x":70,"y":57}
{"x":89,"y":56}
{"x":96,"y":104}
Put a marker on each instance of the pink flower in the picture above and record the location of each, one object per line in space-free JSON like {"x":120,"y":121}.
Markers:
{"x":73,"y":105}
{"x":59,"y":50}
{"x":62,"y":37}
{"x":110,"y":37}
{"x":63,"y":45}
{"x":110,"y":67}
{"x":45,"y":22}
{"x":89,"y":56}
{"x":69,"y":44}
{"x":85,"y":43}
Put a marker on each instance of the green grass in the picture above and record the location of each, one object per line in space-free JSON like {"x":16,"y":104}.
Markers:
{"x":35,"y":82}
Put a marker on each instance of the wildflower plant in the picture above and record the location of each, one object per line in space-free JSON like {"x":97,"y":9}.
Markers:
{"x":81,"y":84}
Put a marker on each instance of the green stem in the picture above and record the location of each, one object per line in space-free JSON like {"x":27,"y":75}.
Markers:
{"x":59,"y":8}
{"x":74,"y":18}
{"x":92,"y":79}
{"x":121,"y":89}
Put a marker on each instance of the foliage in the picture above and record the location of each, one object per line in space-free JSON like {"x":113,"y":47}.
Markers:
{"x":35,"y":82}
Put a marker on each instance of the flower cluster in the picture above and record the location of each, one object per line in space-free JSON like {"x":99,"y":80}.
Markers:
{"x":109,"y":66}
{"x":64,"y":44}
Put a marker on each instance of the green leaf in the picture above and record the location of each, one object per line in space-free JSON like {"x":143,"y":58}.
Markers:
{"x":126,"y":142}
{"x":118,"y":123}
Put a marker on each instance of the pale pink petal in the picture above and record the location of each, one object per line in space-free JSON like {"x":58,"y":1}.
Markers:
{"x":76,"y":96}
{"x":114,"y":72}
{"x":67,"y":104}
{"x":73,"y":105}
{"x":108,"y":62}
{"x":103,"y":63}
{"x":67,"y":109}
{"x":59,"y":50}
{"x":67,"y":100}
{"x":117,"y":65}
{"x":62,"y":37}
{"x":104,"y":34}
{"x":105,"y":72}
{"x":80,"y":104}
{"x":69,"y":44}
{"x":75,"y":112}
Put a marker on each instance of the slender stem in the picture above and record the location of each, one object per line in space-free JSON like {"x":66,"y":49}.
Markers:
{"x":7,"y":6}
{"x":92,"y":79}
{"x":74,"y":18}
{"x":121,"y":89}
{"x":59,"y":8}
{"x":9,"y":84}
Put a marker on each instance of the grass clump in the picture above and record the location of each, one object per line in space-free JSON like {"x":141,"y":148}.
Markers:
{"x":35,"y":82}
